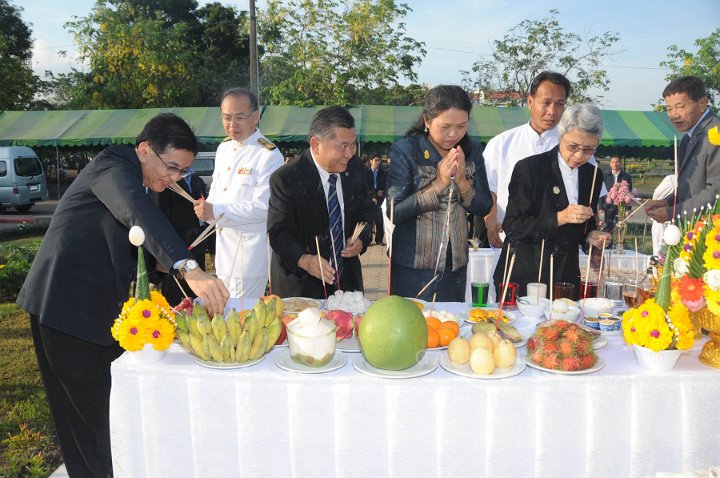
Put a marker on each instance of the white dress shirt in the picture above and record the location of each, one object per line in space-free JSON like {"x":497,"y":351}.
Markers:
{"x":570,"y":180}
{"x":324,"y":177}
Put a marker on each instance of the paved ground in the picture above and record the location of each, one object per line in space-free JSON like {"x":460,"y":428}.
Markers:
{"x":375,"y":268}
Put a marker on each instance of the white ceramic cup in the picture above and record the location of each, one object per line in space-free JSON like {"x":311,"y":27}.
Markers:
{"x":535,"y":289}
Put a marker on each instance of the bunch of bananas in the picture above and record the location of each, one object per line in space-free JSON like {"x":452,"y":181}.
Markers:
{"x":237,"y":338}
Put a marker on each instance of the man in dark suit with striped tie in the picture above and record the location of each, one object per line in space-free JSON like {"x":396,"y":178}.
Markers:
{"x":698,"y":160}
{"x":319,"y":198}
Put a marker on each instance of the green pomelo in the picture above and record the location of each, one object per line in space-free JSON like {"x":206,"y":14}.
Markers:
{"x":393,"y":334}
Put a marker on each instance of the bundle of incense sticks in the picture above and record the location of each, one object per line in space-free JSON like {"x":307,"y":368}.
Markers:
{"x":506,"y":283}
{"x":358,"y":230}
{"x":174,"y":187}
{"x":592,"y":191}
{"x":633,"y":212}
{"x":206,"y":233}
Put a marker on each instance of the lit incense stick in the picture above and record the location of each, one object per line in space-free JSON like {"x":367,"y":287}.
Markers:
{"x":337,"y":267}
{"x":322,"y":275}
{"x":675,"y":153}
{"x":507,"y":282}
{"x":269,"y":252}
{"x":391,"y":230}
{"x":552,"y":267}
{"x":602,"y":256}
{"x":177,"y":189}
{"x":181,"y":287}
{"x":587,"y":273}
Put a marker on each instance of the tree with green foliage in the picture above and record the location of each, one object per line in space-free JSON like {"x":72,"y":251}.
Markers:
{"x":704,"y":63}
{"x":533,"y":46}
{"x":336,"y":52}
{"x":154,"y":53}
{"x":19,"y":83}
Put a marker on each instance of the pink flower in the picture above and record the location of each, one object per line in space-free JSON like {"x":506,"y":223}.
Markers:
{"x":694,"y":305}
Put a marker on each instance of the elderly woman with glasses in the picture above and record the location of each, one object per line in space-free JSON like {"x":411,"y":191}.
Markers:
{"x":552,"y":198}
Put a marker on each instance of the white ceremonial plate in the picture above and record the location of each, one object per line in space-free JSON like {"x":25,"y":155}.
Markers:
{"x":464,"y":370}
{"x":285,"y":362}
{"x":350,"y":345}
{"x":598,"y":366}
{"x":224,"y":366}
{"x":295,"y":305}
{"x":426,"y":365}
{"x":599,"y":342}
{"x":510,"y":315}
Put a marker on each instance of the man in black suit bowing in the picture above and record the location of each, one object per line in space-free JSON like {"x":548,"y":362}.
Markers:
{"x":376,"y":178}
{"x":81,"y":276}
{"x":307,"y":202}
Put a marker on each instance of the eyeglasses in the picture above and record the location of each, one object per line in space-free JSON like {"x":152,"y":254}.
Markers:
{"x":574,"y":148}
{"x":173,"y":170}
{"x":237,"y":118}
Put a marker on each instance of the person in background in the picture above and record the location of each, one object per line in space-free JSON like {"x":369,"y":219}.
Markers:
{"x":182,"y":216}
{"x":81,"y":276}
{"x":550,"y":200}
{"x":546,"y":101}
{"x":612,"y":177}
{"x":435,"y":158}
{"x":240,"y":192}
{"x":289,"y":156}
{"x":319,"y":199}
{"x":376,"y":178}
{"x":698,"y":160}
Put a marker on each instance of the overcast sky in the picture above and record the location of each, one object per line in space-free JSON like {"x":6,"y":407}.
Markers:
{"x":458,"y":32}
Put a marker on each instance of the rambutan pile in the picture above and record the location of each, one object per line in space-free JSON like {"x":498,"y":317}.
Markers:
{"x":561,"y":345}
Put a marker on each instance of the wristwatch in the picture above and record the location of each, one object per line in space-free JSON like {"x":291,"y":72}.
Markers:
{"x":187,"y":266}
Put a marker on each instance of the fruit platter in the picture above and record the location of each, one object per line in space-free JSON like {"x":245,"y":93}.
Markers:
{"x":481,"y":314}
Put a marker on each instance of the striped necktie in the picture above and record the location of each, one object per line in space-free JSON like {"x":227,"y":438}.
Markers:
{"x":335,"y":221}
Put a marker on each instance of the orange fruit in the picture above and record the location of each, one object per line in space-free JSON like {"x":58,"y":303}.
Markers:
{"x":446,"y":336}
{"x":433,"y":338}
{"x":451,"y":324}
{"x":433,"y":322}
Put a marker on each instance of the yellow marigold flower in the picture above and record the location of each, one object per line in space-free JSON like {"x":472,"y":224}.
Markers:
{"x":630,"y":328}
{"x":145,"y":310}
{"x":714,"y":136}
{"x":131,"y":334}
{"x":656,"y":334}
{"x":161,"y":334}
{"x":712,"y":298}
{"x":158,"y":299}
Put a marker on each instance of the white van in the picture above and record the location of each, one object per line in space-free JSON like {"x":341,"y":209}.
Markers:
{"x":22,"y":179}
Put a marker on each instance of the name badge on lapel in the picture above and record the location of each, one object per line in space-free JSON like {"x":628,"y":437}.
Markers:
{"x":556,"y":190}
{"x":244,"y":170}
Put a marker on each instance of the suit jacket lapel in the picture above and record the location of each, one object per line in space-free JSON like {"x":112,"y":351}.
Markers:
{"x":311,"y":177}
{"x":556,"y":181}
{"x":695,"y":141}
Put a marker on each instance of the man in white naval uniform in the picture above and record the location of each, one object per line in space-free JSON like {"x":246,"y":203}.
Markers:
{"x":240,"y":193}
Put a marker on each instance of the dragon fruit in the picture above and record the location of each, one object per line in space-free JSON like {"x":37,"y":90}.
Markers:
{"x":344,"y":321}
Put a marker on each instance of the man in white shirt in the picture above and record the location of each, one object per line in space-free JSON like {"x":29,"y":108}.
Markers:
{"x":240,"y":193}
{"x":548,"y":95}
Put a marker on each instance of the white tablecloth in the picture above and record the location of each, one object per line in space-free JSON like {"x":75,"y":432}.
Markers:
{"x":175,"y":418}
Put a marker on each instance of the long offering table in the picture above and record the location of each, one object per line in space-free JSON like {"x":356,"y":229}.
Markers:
{"x":176,"y":418}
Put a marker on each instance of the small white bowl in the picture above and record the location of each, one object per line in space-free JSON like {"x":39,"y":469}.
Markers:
{"x":593,"y":307}
{"x":572,"y":313}
{"x":530,"y":307}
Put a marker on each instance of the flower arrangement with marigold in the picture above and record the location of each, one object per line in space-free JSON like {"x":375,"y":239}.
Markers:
{"x":621,"y":196}
{"x":146,"y":318}
{"x":664,"y":323}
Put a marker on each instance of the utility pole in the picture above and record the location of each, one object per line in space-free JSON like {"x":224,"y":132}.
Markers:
{"x":254,"y":84}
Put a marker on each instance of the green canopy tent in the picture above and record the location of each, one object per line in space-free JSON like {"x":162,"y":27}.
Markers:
{"x":289,"y":124}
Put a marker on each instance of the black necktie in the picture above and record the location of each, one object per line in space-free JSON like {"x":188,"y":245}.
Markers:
{"x":683,"y":147}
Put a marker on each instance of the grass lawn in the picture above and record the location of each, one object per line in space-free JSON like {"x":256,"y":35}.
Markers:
{"x":28,"y":446}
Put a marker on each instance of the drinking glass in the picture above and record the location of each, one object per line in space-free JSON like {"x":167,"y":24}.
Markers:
{"x":480,"y":293}
{"x":592,"y":289}
{"x":537,"y":289}
{"x":564,"y":290}
{"x":630,"y":293}
{"x":510,"y":297}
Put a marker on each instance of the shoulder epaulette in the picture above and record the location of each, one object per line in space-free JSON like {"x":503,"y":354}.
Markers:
{"x":266,"y":144}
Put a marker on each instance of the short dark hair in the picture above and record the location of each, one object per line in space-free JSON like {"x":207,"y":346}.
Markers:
{"x":168,"y":130}
{"x":438,"y":100}
{"x":327,"y":119}
{"x":691,"y":85}
{"x":552,"y":77}
{"x":240,"y":92}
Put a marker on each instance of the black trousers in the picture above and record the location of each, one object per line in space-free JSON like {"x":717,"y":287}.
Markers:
{"x":76,"y":375}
